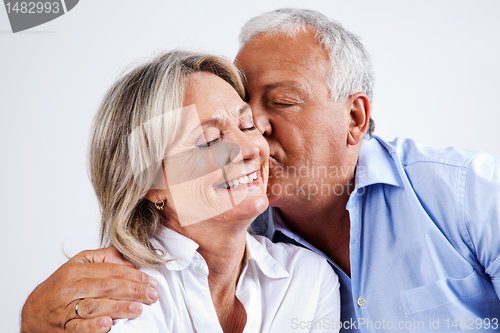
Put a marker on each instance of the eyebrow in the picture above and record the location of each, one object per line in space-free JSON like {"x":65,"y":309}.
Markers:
{"x":215,"y":120}
{"x":292,"y":85}
{"x":244,"y":109}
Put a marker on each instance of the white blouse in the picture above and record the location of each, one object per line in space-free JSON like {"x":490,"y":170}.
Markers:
{"x":283,"y":288}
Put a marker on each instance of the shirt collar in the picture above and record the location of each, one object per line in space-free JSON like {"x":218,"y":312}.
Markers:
{"x":257,"y":252}
{"x":181,"y":251}
{"x":277,"y":222}
{"x":375,"y":164}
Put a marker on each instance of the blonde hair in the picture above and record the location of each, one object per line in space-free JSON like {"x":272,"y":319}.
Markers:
{"x":127,"y":146}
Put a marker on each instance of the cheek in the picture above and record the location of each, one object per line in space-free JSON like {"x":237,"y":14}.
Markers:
{"x":260,"y":142}
{"x":196,"y":201}
{"x":264,"y":146}
{"x":296,"y":149}
{"x":292,"y":133}
{"x":314,"y":137}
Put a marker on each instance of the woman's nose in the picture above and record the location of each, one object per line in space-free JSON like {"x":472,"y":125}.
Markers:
{"x":248,"y":149}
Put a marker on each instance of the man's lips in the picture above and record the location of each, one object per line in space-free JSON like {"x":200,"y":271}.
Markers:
{"x":240,"y":181}
{"x":273,"y":160}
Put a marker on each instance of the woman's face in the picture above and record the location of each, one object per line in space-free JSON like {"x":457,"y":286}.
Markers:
{"x":217,"y":166}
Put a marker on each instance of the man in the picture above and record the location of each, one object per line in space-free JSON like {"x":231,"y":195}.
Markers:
{"x":411,"y":231}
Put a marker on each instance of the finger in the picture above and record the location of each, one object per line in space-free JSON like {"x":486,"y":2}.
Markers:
{"x":105,"y":270}
{"x":97,"y":325}
{"x":117,"y":289}
{"x":89,"y":308}
{"x":109,"y":255}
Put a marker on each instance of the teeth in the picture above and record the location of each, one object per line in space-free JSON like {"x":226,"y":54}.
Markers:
{"x":240,"y":181}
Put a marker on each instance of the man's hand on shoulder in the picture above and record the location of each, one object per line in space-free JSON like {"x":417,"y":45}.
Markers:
{"x":101,"y":282}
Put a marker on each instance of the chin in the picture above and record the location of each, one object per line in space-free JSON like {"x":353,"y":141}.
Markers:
{"x":261,"y":205}
{"x":252,"y":208}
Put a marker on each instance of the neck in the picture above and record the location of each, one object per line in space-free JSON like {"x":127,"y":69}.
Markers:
{"x":222,"y":245}
{"x":224,"y":254}
{"x":324,"y":222}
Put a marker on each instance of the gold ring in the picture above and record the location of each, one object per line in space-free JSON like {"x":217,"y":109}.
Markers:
{"x":76,"y":309}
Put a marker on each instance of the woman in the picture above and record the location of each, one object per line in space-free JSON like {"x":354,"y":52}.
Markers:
{"x":180,"y":172}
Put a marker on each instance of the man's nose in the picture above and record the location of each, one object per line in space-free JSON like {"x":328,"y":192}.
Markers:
{"x":261,"y":119}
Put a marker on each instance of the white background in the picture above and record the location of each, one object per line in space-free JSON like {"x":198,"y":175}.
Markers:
{"x":436,"y":63}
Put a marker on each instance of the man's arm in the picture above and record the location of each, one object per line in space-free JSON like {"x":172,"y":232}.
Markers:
{"x":96,"y":279}
{"x":482,"y":214}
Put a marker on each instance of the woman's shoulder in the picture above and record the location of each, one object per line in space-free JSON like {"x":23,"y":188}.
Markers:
{"x":165,"y":313}
{"x":290,"y":256}
{"x":153,"y":272}
{"x":152,"y":318}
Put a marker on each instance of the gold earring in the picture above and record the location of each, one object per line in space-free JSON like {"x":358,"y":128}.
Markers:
{"x":159,"y":204}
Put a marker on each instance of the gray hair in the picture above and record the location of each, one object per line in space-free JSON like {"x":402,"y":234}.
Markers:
{"x":134,"y":126}
{"x":351,"y":67}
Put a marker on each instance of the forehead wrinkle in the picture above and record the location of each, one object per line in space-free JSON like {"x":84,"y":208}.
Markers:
{"x":212,"y":121}
{"x":289,"y":85}
{"x":245,"y":108}
{"x":195,"y":128}
{"x":216,"y":102}
{"x":314,"y":61}
{"x":233,"y":108}
{"x":218,"y":119}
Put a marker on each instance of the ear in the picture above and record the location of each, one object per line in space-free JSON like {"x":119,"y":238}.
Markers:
{"x":154,"y":195}
{"x":359,"y":116}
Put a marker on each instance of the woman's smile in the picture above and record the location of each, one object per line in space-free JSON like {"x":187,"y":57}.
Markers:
{"x":248,"y":180}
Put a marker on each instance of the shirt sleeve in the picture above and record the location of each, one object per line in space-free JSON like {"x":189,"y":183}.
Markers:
{"x":482,"y":213}
{"x":328,"y":308}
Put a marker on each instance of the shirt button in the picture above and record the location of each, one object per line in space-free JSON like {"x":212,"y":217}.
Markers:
{"x":361,"y":302}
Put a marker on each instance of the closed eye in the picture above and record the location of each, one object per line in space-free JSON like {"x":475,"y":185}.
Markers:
{"x":253,"y":128}
{"x":209,"y":144}
{"x":283,"y":105}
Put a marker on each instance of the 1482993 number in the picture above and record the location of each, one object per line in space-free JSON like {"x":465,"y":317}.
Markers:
{"x":33,"y":7}
{"x":472,"y":324}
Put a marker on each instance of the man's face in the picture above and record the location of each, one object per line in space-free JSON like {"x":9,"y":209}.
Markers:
{"x":306,"y":130}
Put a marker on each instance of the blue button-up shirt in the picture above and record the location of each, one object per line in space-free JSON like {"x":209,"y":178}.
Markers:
{"x":424,"y":240}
